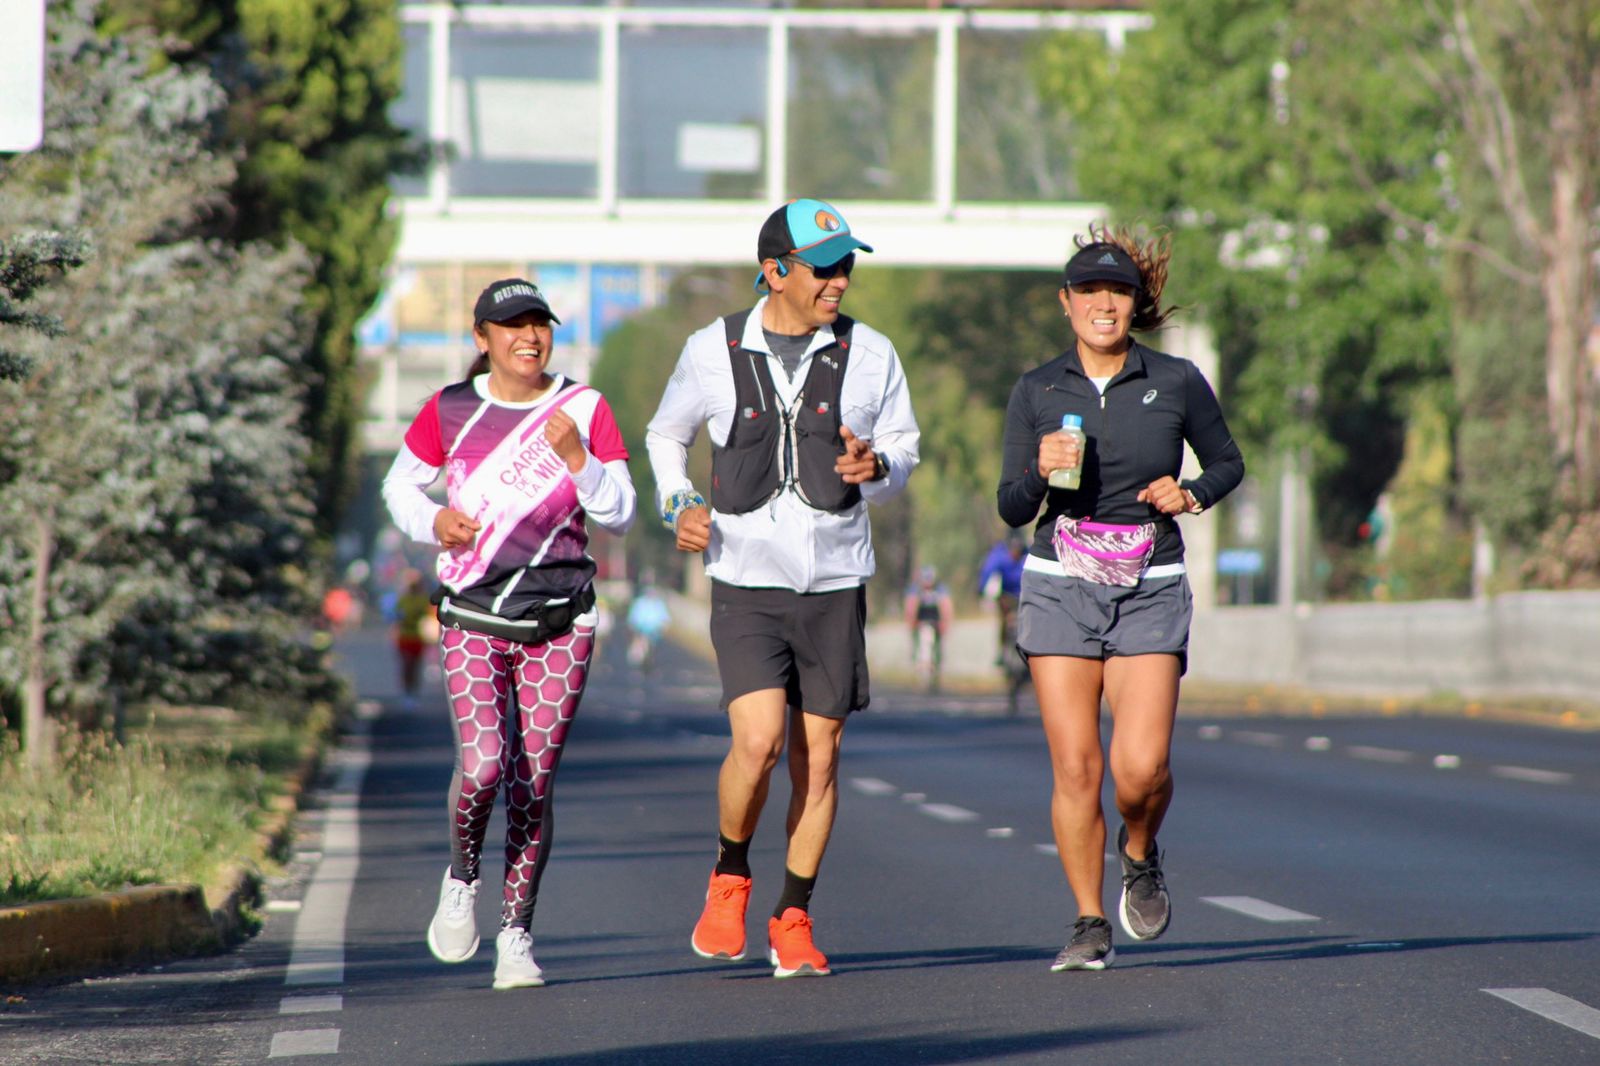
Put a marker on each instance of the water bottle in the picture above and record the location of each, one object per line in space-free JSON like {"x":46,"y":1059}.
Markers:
{"x":1068,"y":477}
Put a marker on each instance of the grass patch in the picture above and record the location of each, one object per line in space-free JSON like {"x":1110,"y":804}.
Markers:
{"x":183,"y":798}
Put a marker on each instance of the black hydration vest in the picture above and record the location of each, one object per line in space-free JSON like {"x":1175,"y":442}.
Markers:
{"x":769,"y":448}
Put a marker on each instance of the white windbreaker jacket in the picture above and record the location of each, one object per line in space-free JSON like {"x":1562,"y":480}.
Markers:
{"x":786,"y":543}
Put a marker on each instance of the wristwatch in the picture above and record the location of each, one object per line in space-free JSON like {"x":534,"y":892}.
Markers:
{"x":881,"y":472}
{"x":1193,"y":502}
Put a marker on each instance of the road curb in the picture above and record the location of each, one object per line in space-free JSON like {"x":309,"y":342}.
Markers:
{"x":149,"y":923}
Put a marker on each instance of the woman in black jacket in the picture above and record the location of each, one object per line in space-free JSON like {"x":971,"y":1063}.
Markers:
{"x":1105,"y":605}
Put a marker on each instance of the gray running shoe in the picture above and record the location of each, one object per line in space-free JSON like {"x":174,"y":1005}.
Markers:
{"x":1089,"y":949}
{"x":453,"y":933}
{"x":1146,"y":908}
{"x":513,"y":960}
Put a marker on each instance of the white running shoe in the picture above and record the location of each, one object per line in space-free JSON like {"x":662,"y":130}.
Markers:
{"x":453,"y":933}
{"x":513,"y":963}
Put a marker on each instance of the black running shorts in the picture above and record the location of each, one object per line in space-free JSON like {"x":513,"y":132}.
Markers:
{"x":811,"y":645}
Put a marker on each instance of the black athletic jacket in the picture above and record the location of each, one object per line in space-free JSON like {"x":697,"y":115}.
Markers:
{"x":1135,"y":435}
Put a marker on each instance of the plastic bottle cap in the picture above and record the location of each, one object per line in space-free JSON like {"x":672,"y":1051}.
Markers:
{"x":1071,"y":421}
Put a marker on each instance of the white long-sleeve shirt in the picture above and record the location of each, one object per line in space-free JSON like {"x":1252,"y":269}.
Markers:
{"x":533,"y":538}
{"x":786,"y":543}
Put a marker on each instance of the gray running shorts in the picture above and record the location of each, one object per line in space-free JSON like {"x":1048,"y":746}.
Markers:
{"x":1069,"y":616}
{"x":812,"y":645}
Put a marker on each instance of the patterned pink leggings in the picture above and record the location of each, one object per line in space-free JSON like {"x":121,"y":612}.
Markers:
{"x":512,"y":704}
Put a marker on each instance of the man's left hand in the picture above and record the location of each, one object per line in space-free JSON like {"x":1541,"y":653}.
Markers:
{"x":859,"y":462}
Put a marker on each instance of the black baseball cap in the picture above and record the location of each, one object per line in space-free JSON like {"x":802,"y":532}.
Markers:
{"x":509,"y":297}
{"x":1102,"y":261}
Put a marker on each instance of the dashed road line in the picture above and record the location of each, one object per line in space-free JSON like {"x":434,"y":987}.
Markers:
{"x":872,"y":786}
{"x":946,"y":812}
{"x":317,"y":956}
{"x":293,"y":1042}
{"x":1528,"y":773}
{"x":1260,"y":909}
{"x":1259,"y":739}
{"x":1371,"y":754}
{"x":1554,"y":1006}
{"x":311,"y":1004}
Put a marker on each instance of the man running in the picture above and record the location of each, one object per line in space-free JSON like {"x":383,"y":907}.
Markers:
{"x":810,"y":420}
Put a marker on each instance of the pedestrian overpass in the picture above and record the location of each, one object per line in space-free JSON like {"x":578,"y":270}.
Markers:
{"x":598,"y":149}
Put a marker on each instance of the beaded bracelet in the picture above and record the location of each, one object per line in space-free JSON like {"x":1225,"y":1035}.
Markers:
{"x":678,"y":503}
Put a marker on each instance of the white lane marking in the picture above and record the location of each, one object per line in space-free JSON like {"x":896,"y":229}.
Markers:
{"x":1363,"y":751}
{"x":1046,"y":849}
{"x":1528,"y":773}
{"x":304,"y":1042}
{"x":948,"y":813}
{"x":1261,"y":740}
{"x":1447,"y":762}
{"x":1554,"y":1006}
{"x":999,"y":832}
{"x":1318,"y":743}
{"x":310,"y":1004}
{"x":283,"y":906}
{"x":872,"y":786}
{"x":914,"y":797}
{"x":1251,"y":907}
{"x":317,"y":957}
{"x":1211,"y":732}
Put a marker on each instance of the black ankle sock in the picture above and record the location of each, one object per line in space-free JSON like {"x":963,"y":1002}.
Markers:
{"x":796,"y":893}
{"x":733,"y":856}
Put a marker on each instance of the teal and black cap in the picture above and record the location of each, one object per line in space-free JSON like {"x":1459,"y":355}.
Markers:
{"x":1102,"y":261}
{"x":812,"y":231}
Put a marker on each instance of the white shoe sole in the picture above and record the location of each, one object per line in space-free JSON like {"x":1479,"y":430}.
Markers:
{"x":442,"y":956}
{"x":1126,"y":920}
{"x":805,"y":969}
{"x":1098,"y":964}
{"x":503,"y":983}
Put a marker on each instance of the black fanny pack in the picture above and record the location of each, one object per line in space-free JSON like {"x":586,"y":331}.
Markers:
{"x":547,"y":619}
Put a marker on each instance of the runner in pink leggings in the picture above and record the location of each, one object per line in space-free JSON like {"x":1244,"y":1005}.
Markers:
{"x":529,"y":457}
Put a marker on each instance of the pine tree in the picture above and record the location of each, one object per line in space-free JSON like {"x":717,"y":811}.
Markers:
{"x":153,"y":526}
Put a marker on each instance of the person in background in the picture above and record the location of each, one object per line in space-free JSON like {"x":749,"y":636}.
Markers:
{"x":412,"y":609}
{"x":928,"y":612}
{"x":1105,"y":605}
{"x":647,"y":621}
{"x":530,"y":457}
{"x":810,"y":421}
{"x":1000,"y":583}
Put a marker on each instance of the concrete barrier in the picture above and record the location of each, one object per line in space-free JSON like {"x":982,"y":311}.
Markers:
{"x":1524,"y":644}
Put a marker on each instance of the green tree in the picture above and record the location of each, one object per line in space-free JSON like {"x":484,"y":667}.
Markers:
{"x":1238,"y":124}
{"x":164,"y":480}
{"x":309,"y":83}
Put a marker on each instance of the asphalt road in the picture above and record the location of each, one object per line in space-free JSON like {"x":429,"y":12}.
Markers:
{"x":1396,"y":890}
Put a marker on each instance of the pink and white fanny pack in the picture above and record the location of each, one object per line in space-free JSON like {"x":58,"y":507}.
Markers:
{"x":1103,"y":552}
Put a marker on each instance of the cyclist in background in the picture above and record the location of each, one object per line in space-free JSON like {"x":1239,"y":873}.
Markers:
{"x":929,"y":612}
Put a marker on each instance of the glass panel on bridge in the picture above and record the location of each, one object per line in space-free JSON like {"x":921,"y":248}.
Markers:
{"x":692,"y":113}
{"x":860,"y":114}
{"x":525,"y":112}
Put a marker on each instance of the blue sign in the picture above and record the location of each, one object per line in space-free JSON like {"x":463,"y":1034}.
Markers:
{"x":1239,"y":561}
{"x":618,"y":293}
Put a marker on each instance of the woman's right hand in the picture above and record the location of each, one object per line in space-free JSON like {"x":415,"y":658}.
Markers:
{"x":1058,"y":451}
{"x":455,"y":529}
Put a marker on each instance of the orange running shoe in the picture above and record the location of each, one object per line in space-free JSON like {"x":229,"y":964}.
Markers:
{"x":719,"y":934}
{"x":790,"y":949}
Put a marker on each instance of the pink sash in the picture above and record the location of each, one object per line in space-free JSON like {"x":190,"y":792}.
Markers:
{"x":520,"y":476}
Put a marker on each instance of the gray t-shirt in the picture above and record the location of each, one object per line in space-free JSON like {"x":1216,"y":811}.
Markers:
{"x":789,"y":350}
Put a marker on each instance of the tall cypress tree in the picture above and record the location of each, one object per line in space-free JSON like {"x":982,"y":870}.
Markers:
{"x":309,"y":83}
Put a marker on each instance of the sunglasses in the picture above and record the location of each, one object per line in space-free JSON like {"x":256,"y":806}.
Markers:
{"x":824,"y":273}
